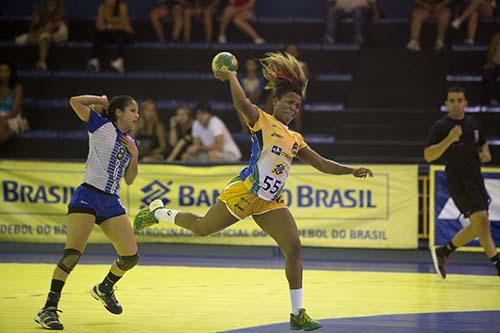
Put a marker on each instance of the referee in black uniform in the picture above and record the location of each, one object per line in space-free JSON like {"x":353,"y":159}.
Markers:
{"x":458,"y":139}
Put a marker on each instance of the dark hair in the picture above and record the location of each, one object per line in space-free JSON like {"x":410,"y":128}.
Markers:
{"x":118,"y":102}
{"x":203,"y":107}
{"x":13,"y":73}
{"x":456,"y":90}
{"x":116,"y":9}
{"x":42,"y":10}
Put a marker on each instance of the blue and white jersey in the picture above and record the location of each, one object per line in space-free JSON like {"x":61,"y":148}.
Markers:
{"x":108,"y":158}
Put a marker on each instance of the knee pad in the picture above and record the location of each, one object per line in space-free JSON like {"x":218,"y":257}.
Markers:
{"x":127,"y":262}
{"x":69,"y":260}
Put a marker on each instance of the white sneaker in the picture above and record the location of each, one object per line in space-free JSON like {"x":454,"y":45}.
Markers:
{"x":41,"y":65}
{"x":259,"y":41}
{"x":413,"y":45}
{"x":456,"y":23}
{"x":118,"y":65}
{"x":439,"y":45}
{"x":327,"y":39}
{"x":155,"y":204}
{"x":93,"y":65}
{"x":22,"y":39}
{"x":222,"y":39}
{"x":469,"y":41}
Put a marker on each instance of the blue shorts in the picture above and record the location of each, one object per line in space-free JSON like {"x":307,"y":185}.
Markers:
{"x":90,"y":200}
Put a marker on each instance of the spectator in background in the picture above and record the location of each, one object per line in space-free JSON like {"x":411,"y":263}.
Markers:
{"x":424,"y":10}
{"x":47,"y":26}
{"x":492,"y":71}
{"x":150,"y":133}
{"x":357,"y":9}
{"x":113,"y":26}
{"x":163,"y":9}
{"x":11,"y":99}
{"x":181,"y":126}
{"x":293,"y":50}
{"x":252,"y":85}
{"x":472,"y":11}
{"x":212,"y":141}
{"x":200,"y":8}
{"x":239,"y":12}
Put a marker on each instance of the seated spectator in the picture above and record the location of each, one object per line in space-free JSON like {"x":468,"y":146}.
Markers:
{"x":113,"y":26}
{"x":212,"y":141}
{"x":424,"y":10}
{"x":181,"y":126}
{"x":200,"y":8}
{"x":163,"y":9}
{"x":294,"y":50}
{"x":47,"y":26}
{"x":252,"y":85}
{"x":239,"y":12}
{"x":150,"y":133}
{"x":11,"y":99}
{"x":357,"y":9}
{"x":472,"y":11}
{"x":492,"y":71}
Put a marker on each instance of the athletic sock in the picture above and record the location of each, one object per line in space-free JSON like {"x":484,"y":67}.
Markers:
{"x":448,"y":249}
{"x":296,"y":299}
{"x":56,"y":287}
{"x":165,"y":214}
{"x":109,"y":281}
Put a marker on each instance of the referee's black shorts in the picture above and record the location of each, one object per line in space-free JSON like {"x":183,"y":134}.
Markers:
{"x":468,"y":193}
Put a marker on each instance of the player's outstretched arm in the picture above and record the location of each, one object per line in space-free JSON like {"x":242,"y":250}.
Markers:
{"x":81,"y":105}
{"x":240,"y":101}
{"x":324,"y":165}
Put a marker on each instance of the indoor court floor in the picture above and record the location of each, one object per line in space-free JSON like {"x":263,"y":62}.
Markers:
{"x":189,"y":294}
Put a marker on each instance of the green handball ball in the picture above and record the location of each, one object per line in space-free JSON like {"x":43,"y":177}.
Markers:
{"x":224,"y":61}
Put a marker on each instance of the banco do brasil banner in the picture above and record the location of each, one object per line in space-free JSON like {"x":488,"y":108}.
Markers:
{"x":445,"y":218}
{"x":331,"y":211}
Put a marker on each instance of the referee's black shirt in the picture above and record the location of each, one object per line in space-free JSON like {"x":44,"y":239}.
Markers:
{"x":462,"y":157}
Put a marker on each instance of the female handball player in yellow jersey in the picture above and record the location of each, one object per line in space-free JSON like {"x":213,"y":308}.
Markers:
{"x":257,"y":189}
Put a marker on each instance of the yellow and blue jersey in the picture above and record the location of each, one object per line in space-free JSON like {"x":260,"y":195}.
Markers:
{"x":274,"y":146}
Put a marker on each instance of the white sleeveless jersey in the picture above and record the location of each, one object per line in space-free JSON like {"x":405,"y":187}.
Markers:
{"x":108,"y":158}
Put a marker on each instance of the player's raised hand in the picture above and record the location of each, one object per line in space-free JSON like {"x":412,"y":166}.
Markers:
{"x":455,"y":133}
{"x":223,"y":74}
{"x":362,"y":173}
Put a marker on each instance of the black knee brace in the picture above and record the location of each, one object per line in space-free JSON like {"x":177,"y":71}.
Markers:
{"x":69,"y":260}
{"x":127,"y":262}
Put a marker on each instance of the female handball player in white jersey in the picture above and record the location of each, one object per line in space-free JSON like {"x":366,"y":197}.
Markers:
{"x":112,"y":155}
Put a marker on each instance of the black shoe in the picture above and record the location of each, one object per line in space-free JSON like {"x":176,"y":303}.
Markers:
{"x":439,"y":260}
{"x":49,"y":319}
{"x":108,"y":299}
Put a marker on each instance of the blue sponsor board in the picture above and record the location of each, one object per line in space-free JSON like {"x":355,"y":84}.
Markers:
{"x":447,"y":218}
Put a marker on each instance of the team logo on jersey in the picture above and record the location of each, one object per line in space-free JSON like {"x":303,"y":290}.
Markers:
{"x":121,"y":153}
{"x":276,"y":150}
{"x":295,"y":148}
{"x":155,"y":190}
{"x":278,"y":169}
